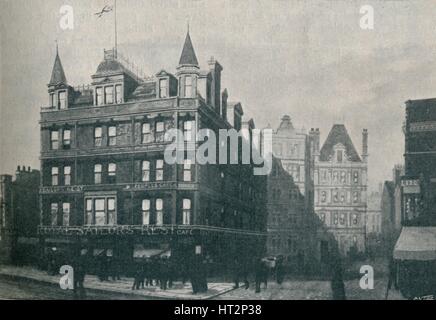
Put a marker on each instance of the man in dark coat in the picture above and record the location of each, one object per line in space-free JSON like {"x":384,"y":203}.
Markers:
{"x":260,"y":275}
{"x":337,"y":281}
{"x":138,"y":276}
{"x":280,"y":271}
{"x":79,"y":268}
{"x":163,"y":273}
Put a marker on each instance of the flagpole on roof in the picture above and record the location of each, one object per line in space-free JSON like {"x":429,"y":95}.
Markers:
{"x":115,"y":17}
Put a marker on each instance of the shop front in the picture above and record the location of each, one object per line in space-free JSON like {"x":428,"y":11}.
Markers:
{"x":120,"y":247}
{"x":415,"y":254}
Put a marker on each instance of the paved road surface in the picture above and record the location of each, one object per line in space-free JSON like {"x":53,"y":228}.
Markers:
{"x":30,"y":290}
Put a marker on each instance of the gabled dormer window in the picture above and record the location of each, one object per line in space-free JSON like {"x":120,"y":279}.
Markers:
{"x":339,"y":155}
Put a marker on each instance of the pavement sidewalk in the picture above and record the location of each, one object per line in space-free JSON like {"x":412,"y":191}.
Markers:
{"x":123,"y":286}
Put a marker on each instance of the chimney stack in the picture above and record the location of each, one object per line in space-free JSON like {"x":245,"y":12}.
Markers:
{"x":314,"y":141}
{"x":365,"y":144}
{"x":215,"y":70}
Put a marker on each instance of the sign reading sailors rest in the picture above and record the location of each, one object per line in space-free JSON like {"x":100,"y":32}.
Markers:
{"x":145,"y":230}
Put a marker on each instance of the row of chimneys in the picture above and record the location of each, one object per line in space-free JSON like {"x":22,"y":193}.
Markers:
{"x":23,"y":169}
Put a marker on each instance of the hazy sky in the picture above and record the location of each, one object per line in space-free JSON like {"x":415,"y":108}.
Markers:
{"x":307,"y":59}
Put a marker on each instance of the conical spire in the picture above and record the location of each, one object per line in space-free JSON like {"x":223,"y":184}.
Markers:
{"x":188,"y":54}
{"x":57,"y":74}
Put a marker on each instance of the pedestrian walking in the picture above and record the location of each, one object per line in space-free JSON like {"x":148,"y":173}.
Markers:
{"x":392,"y":276}
{"x":163,"y":273}
{"x":138,"y":276}
{"x":79,"y":268}
{"x":280,"y":271}
{"x":337,"y":281}
{"x":259,"y":273}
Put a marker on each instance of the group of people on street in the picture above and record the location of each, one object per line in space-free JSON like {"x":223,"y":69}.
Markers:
{"x":262,"y":270}
{"x":155,"y":271}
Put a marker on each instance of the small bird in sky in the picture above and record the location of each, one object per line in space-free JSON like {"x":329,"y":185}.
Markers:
{"x":104,"y":10}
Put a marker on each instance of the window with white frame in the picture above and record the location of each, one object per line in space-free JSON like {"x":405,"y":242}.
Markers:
{"x":146,"y":133}
{"x":111,"y":212}
{"x":98,"y":133}
{"x":159,"y":212}
{"x":99,"y":100}
{"x":118,"y":93}
{"x":67,"y":175}
{"x":186,"y":219}
{"x":54,"y":176}
{"x":97,"y":173}
{"x":188,"y":130}
{"x":342,"y":218}
{"x":145,"y":211}
{"x":88,"y":212}
{"x":54,"y":214}
{"x":188,"y":86}
{"x":66,"y":139}
{"x":355,"y":196}
{"x":99,"y":211}
{"x":163,"y":88}
{"x":335,"y":218}
{"x":160,"y":131}
{"x":343,"y":177}
{"x":112,"y":172}
{"x":109,"y":94}
{"x":355,"y":177}
{"x":323,"y":196}
{"x":145,"y":170}
{"x":62,"y":100}
{"x":112,"y":135}
{"x":187,"y":165}
{"x":54,"y":139}
{"x":355,"y":218}
{"x":159,"y":170}
{"x":53,"y":102}
{"x":65,"y":214}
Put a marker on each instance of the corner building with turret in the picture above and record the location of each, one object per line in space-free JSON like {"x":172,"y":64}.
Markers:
{"x":106,"y":187}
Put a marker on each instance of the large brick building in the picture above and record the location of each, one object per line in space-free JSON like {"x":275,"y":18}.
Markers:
{"x":415,"y":249}
{"x":340,"y":179}
{"x":106,"y":186}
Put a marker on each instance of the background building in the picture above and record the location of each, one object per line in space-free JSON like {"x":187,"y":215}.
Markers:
{"x":19,"y":217}
{"x":340,"y":179}
{"x":291,"y":224}
{"x":106,"y":186}
{"x":391,"y":210}
{"x":373,"y":223}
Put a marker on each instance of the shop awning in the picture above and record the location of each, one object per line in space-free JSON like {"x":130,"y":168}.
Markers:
{"x":140,"y":252}
{"x":416,"y":243}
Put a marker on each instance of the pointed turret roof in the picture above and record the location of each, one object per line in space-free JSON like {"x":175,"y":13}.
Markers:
{"x":338,"y":134}
{"x":57,"y":74}
{"x":188,"y":56}
{"x":285,"y":124}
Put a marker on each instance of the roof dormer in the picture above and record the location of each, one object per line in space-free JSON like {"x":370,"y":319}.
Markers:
{"x":58,"y":89}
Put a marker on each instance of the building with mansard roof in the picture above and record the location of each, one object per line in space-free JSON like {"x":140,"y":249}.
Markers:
{"x":106,"y":187}
{"x":340,"y":182}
